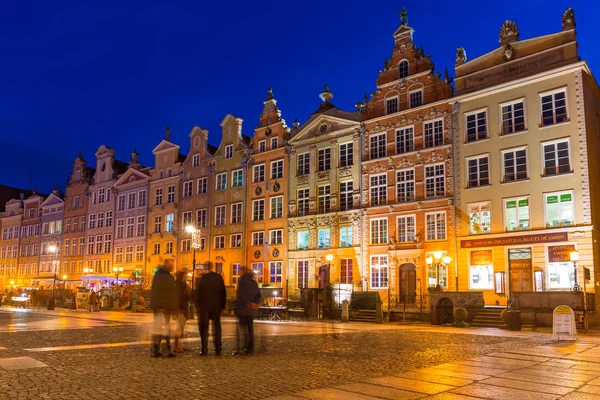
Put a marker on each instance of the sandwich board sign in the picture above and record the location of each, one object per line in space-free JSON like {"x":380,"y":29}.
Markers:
{"x":563,"y":321}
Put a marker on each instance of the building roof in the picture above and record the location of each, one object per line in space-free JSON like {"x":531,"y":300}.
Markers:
{"x":212,"y":149}
{"x":120,"y":167}
{"x":8,"y":193}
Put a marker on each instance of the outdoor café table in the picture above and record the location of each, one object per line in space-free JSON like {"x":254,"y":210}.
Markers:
{"x":274,"y":312}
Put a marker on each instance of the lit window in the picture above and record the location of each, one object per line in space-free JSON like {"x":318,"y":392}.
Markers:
{"x":436,"y":226}
{"x":346,"y":236}
{"x":302,"y":240}
{"x":379,"y":272}
{"x":480,"y":219}
{"x":379,"y":231}
{"x":559,"y":209}
{"x":516,"y":214}
{"x":324,"y":238}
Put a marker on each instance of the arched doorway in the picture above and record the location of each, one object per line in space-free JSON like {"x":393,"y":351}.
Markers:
{"x":407,"y":283}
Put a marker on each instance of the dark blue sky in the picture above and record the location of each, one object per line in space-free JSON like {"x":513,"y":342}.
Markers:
{"x":79,"y":74}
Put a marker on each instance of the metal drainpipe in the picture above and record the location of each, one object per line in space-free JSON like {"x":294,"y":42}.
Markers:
{"x":455,"y":108}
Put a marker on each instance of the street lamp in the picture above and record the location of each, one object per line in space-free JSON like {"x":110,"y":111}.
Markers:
{"x":11,"y":285}
{"x":438,"y":261}
{"x":574,"y":257}
{"x":195,"y":244}
{"x":64,"y":278}
{"x":53,"y":249}
{"x":117,"y":272}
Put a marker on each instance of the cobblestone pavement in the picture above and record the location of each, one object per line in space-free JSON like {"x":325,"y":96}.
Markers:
{"x":62,"y":355}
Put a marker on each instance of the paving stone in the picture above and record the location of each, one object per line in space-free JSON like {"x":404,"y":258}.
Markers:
{"x":383,"y":392}
{"x":480,"y":364}
{"x":327,"y":394}
{"x":502,"y":361}
{"x":595,"y":382}
{"x":581,"y":396}
{"x":450,"y":396}
{"x":501,"y":393}
{"x":574,"y":376}
{"x":20,"y":363}
{"x":593,"y":389}
{"x":444,"y":380}
{"x":531,"y":386}
{"x":458,"y":374}
{"x":412,"y":385}
{"x":519,"y":357}
{"x":285,"y":397}
{"x":472,"y":370}
{"x":542,"y":379}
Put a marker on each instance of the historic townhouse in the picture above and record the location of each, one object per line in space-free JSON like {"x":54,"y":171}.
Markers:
{"x":267,"y":193}
{"x":194,"y":205}
{"x":163,"y":228}
{"x":527,"y":148}
{"x":9,"y":246}
{"x":29,"y":245}
{"x":52,"y":210}
{"x":131,"y":196}
{"x":228,"y":199}
{"x":323,"y":219}
{"x":100,"y":216}
{"x":74,"y":218}
{"x":407,"y":181}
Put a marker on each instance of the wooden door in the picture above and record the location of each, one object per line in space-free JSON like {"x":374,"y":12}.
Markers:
{"x":408,"y":283}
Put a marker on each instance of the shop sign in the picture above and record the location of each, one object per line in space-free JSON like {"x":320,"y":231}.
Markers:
{"x":515,"y":240}
{"x":561,"y":253}
{"x":481,"y":257}
{"x":563,"y":321}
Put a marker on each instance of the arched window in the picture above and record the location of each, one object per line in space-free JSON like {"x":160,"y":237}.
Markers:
{"x":403,"y":69}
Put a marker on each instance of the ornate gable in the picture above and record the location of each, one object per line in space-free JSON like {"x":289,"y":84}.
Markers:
{"x":130,"y":176}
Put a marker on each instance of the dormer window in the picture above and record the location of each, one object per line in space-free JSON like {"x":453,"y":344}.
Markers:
{"x":262,"y":146}
{"x":391,"y":105}
{"x":229,"y":151}
{"x":195,"y":160}
{"x":403,"y":69}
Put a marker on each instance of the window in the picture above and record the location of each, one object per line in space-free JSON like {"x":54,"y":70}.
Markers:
{"x":229,"y":151}
{"x":171,"y":194}
{"x":275,"y":272}
{"x":554,"y":107}
{"x":324,"y":199}
{"x":195,"y":160}
{"x":258,"y":238}
{"x":378,"y":189}
{"x":220,"y":242}
{"x":276,"y":236}
{"x":131,"y":200}
{"x":99,"y":244}
{"x":515,"y":165}
{"x":220,"y":212}
{"x":202,"y":185}
{"x":436,"y":226}
{"x":258,"y":270}
{"x":187,"y":218}
{"x":346,"y":189}
{"x":476,"y":126}
{"x":170,"y":222}
{"x":437,"y":275}
{"x":481,"y":277}
{"x":236,"y":271}
{"x":378,"y":144}
{"x":434,"y":133}
{"x":130,"y":227}
{"x":258,"y":210}
{"x":324,"y":236}
{"x":262,"y":146}
{"x":405,"y":140}
{"x":74,"y":247}
{"x":406,"y":228}
{"x":222,"y":181}
{"x":277,"y":169}
{"x":156,"y":248}
{"x":141,"y":226}
{"x":101,"y":195}
{"x":379,"y":272}
{"x":559,"y":209}
{"x":415,"y":98}
{"x":67,"y":247}
{"x":129,"y":253}
{"x":516,"y":214}
{"x":158,"y":224}
{"x":346,"y":154}
{"x":107,"y":243}
{"x":480,"y":218}
{"x":236,"y":213}
{"x":302,"y":274}
{"x":158,"y":198}
{"x":109,"y":217}
{"x":81,"y":245}
{"x":379,"y":231}
{"x":405,"y":185}
{"x":120,"y":228}
{"x":237,"y":178}
{"x":118,"y":255}
{"x":92,"y":221}
{"x":274,"y":143}
{"x":276,"y":207}
{"x":186,"y":245}
{"x":32,"y":211}
{"x":139,"y":253}
{"x":90,"y":250}
{"x":302,"y":240}
{"x":202,"y":243}
{"x":188,"y":188}
{"x":478,"y":171}
{"x":556,"y":157}
{"x":258,"y":173}
{"x":201,"y":218}
{"x":403,"y":69}
{"x":303,"y":164}
{"x":303,"y":206}
{"x":76,"y":202}
{"x":513,"y":117}
{"x":346,"y":236}
{"x":325,"y":159}
{"x":236,"y":240}
{"x":391,"y":105}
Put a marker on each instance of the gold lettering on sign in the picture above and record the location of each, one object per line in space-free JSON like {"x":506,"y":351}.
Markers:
{"x":561,"y":253}
{"x":505,"y":241}
{"x":481,"y":257}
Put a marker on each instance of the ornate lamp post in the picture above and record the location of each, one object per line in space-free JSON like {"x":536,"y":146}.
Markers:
{"x":64,"y":278}
{"x":438,"y":261}
{"x":53,"y":249}
{"x":117,"y":272}
{"x":195,"y":244}
{"x":11,"y":285}
{"x":574,"y":257}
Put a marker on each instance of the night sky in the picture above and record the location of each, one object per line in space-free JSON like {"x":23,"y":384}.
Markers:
{"x":79,"y":74}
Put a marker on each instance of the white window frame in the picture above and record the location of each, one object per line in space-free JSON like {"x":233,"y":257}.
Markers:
{"x":552,"y":93}
{"x":434,"y":134}
{"x":262,"y":146}
{"x":434,"y":178}
{"x":479,"y":171}
{"x":221,"y":179}
{"x":326,"y":238}
{"x":388,"y":100}
{"x":229,"y":151}
{"x":188,"y":188}
{"x":404,"y":132}
{"x":377,"y":196}
{"x":504,"y":216}
{"x":202,"y":185}
{"x":406,"y":183}
{"x":408,"y":234}
{"x":275,"y":210}
{"x":233,"y":176}
{"x":256,"y":213}
{"x":379,"y":267}
{"x":235,"y":240}
{"x":559,"y":193}
{"x":276,"y":172}
{"x":220,"y":239}
{"x":478,"y":133}
{"x":379,"y":240}
{"x":195,"y":160}
{"x":437,"y":234}
{"x":258,"y":173}
{"x":543,"y":156}
{"x":512,"y":104}
{"x":274,"y":143}
{"x":220,"y":215}
{"x":258,"y":238}
{"x":275,"y":234}
{"x":409,"y":98}
{"x":324,"y":159}
{"x":377,"y":137}
{"x":303,"y":164}
{"x":514,"y":151}
{"x":347,"y":159}
{"x":478,"y":205}
{"x":236,"y":213}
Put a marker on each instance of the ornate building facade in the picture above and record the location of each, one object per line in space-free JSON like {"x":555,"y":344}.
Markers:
{"x":407,"y":176}
{"x":29,"y":244}
{"x":323,"y":207}
{"x":52,"y":213}
{"x":11,"y":228}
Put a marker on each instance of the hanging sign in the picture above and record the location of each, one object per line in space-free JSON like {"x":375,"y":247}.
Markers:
{"x":563,"y":321}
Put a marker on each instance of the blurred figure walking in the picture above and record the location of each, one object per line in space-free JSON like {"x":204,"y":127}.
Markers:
{"x":163,"y":300}
{"x":183,"y":299}
{"x":210,"y":301}
{"x":248,"y":299}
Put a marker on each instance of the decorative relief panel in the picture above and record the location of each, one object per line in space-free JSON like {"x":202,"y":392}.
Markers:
{"x":344,"y":172}
{"x":302,"y":180}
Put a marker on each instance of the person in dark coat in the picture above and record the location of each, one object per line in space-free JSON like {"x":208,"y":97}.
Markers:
{"x":93,"y":301}
{"x":163,"y":300}
{"x":211,"y":301}
{"x":246,"y":307}
{"x":183,"y":299}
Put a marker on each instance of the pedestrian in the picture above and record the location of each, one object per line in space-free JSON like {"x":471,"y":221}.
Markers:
{"x":92,"y":300}
{"x":248,"y":299}
{"x":210,"y":302}
{"x":98,"y":302}
{"x":183,"y":299}
{"x":163,"y":300}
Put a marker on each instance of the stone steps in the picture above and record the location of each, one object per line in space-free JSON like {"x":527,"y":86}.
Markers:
{"x":488,"y":318}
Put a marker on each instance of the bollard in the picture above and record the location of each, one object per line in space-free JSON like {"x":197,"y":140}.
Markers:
{"x":344,"y":311}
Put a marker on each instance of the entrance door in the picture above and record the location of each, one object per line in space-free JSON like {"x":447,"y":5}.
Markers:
{"x":521,"y":271}
{"x":408,"y":283}
{"x":323,"y":277}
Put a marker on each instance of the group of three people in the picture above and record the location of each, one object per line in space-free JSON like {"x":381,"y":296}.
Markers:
{"x":169,"y":300}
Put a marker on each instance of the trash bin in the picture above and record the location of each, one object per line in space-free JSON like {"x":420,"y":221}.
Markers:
{"x":514,"y":320}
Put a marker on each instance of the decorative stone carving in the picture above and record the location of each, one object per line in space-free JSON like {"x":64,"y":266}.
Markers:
{"x":356,"y":199}
{"x":344,"y":172}
{"x":568,"y":20}
{"x":221,"y":198}
{"x":324,"y":221}
{"x":461,"y":56}
{"x":312,"y":205}
{"x":509,"y":32}
{"x":508,"y":53}
{"x":323,"y":175}
{"x":302,"y":180}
